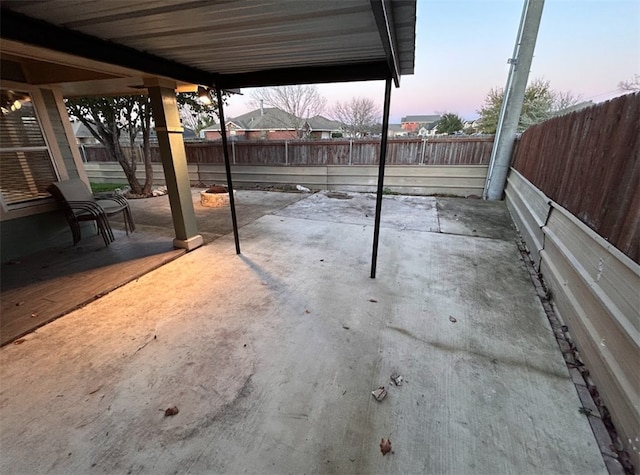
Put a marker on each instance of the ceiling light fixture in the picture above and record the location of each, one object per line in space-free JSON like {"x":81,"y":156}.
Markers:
{"x":204,"y":96}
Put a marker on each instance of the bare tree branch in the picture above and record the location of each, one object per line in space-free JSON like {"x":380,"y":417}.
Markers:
{"x":360,"y":115}
{"x":300,"y":102}
{"x":632,"y":86}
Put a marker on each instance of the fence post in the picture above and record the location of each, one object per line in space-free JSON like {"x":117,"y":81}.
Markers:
{"x":350,"y":149}
{"x":233,"y":151}
{"x":424,"y":144}
{"x":286,"y":152}
{"x":84,"y":153}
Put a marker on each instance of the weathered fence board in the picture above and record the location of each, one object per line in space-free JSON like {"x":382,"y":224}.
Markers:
{"x":589,"y":163}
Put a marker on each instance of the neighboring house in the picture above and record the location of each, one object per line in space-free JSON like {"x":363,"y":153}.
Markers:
{"x":82,"y":134}
{"x":319,"y":127}
{"x":85,"y":137}
{"x":413,"y":123}
{"x":270,"y":123}
{"x":396,"y":130}
{"x":429,"y":130}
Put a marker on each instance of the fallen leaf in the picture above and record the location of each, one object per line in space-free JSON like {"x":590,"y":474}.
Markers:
{"x":373,"y":300}
{"x":19,"y":304}
{"x":35,"y":315}
{"x":379,"y":393}
{"x":385,"y":446}
{"x":307,"y":311}
{"x":172,"y":411}
{"x":452,"y":319}
{"x":19,"y":342}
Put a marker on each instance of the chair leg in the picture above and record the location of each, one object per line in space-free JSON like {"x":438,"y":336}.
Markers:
{"x":107,"y":226}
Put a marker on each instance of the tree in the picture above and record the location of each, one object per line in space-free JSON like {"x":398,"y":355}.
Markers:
{"x":196,"y":115}
{"x":540,"y":103}
{"x":630,"y":86}
{"x":107,"y":118}
{"x":360,"y":115}
{"x":300,"y":102}
{"x":450,"y":123}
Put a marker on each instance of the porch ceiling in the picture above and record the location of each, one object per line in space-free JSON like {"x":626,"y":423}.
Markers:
{"x":230,"y":44}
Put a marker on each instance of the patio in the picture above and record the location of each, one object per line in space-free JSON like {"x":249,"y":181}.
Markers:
{"x":43,"y":286}
{"x":271,"y":356}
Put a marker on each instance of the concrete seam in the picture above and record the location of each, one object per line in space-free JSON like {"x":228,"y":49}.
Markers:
{"x":615,"y":458}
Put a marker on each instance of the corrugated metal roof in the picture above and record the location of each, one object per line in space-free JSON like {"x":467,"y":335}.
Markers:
{"x":238,"y":40}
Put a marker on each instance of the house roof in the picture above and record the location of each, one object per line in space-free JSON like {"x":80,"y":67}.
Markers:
{"x":421,"y":118}
{"x":272,"y":118}
{"x":226,"y":44}
{"x":319,"y":122}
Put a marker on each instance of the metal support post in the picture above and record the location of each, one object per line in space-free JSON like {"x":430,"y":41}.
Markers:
{"x":227,"y":167}
{"x":383,"y":158}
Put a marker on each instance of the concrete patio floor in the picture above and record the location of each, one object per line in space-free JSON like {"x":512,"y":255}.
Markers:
{"x":271,"y":356}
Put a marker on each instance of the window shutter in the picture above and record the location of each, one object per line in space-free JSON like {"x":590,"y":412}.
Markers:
{"x":26,"y":168}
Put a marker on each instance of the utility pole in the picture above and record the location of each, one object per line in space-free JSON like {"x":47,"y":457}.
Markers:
{"x":512,"y":100}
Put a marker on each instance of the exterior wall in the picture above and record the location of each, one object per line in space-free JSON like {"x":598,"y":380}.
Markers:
{"x":29,"y":234}
{"x":410,"y":126}
{"x":254,"y":134}
{"x":595,"y":292}
{"x":41,"y":225}
{"x":459,"y":180}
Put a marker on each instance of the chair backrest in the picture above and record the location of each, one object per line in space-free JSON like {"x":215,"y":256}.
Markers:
{"x":73,"y":190}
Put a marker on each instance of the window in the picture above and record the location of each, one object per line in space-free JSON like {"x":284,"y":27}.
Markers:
{"x":26,"y":167}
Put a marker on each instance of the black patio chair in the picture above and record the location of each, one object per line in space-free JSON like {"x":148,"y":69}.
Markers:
{"x":79,"y":204}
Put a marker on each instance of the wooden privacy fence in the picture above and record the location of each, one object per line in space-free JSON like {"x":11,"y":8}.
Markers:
{"x":589,"y":163}
{"x":438,"y":151}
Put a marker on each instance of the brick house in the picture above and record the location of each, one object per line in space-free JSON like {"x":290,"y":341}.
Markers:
{"x":270,"y":123}
{"x":413,"y":123}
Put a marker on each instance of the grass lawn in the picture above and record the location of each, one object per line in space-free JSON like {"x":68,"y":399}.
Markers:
{"x":103,"y":187}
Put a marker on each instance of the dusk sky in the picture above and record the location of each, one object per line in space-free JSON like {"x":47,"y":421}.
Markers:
{"x":462,"y":46}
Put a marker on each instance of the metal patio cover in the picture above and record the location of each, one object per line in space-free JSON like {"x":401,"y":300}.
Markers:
{"x":230,"y":44}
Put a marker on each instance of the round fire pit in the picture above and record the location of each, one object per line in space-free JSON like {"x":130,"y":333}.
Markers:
{"x":215,"y":196}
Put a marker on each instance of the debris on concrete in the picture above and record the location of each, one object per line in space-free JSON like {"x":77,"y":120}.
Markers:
{"x":373,"y":300}
{"x":452,"y":319}
{"x":160,"y":191}
{"x":379,"y":393}
{"x":171,"y":411}
{"x":346,"y":327}
{"x":304,"y":189}
{"x":385,"y":446}
{"x":307,"y":311}
{"x":397,"y":379}
{"x":338,"y":195}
